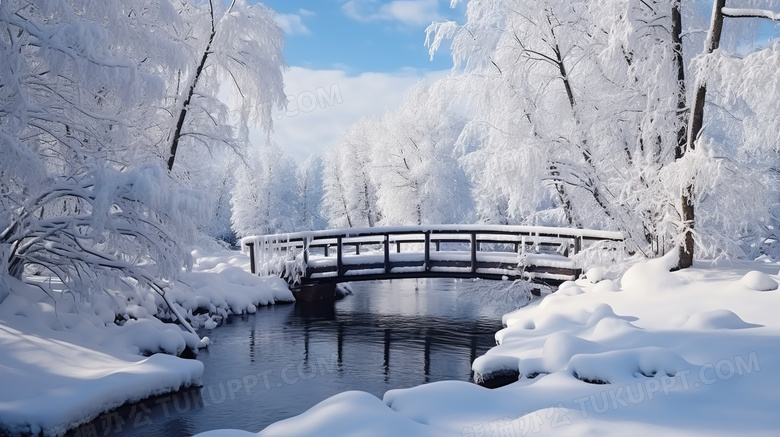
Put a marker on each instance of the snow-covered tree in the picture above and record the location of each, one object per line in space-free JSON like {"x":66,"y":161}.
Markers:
{"x":90,"y":96}
{"x":218,"y":182}
{"x":582,"y":106}
{"x":350,"y":194}
{"x":233,"y":49}
{"x":77,"y":200}
{"x":310,"y":192}
{"x":743,"y":87}
{"x":414,"y":165}
{"x":265,"y":196}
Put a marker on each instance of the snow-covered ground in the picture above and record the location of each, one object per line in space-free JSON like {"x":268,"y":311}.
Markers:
{"x":64,"y":361}
{"x":649,"y":353}
{"x":690,"y":353}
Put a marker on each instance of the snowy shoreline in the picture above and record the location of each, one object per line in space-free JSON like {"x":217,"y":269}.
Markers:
{"x":650,"y":353}
{"x":63,"y":366}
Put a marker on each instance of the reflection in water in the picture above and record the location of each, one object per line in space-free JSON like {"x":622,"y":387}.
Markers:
{"x":286,"y":358}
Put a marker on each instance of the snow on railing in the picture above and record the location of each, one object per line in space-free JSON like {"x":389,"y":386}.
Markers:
{"x":272,"y":255}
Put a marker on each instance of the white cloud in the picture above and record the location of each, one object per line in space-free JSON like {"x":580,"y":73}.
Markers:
{"x":292,"y":24}
{"x":412,"y":13}
{"x":322,"y":103}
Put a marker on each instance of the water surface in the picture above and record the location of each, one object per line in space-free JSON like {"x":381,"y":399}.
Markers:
{"x":284,"y":359}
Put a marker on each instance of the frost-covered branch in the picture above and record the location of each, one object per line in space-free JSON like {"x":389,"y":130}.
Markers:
{"x":750,"y":13}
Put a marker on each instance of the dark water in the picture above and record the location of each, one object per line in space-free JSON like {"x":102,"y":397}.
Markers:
{"x":284,"y":359}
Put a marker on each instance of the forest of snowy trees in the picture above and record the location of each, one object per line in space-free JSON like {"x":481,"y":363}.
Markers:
{"x":576,"y":113}
{"x":124,"y":132}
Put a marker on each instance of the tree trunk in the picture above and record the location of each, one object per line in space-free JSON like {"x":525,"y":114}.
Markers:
{"x":186,"y":105}
{"x":682,"y":111}
{"x":586,"y":155}
{"x":563,"y":197}
{"x":694,"y":129}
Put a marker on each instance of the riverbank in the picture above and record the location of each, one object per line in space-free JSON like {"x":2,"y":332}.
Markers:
{"x":65,"y":361}
{"x":689,"y":353}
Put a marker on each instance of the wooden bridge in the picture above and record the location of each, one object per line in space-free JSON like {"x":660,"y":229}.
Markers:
{"x":316,"y":258}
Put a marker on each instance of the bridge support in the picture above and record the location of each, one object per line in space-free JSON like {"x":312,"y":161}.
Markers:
{"x":315,"y":293}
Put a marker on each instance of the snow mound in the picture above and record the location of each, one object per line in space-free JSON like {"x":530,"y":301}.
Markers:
{"x":594,"y":275}
{"x":570,"y":290}
{"x":604,"y":311}
{"x":566,"y":285}
{"x":652,"y":276}
{"x":347,"y":414}
{"x":343,"y":289}
{"x":220,"y":285}
{"x":717,"y":319}
{"x":559,"y":349}
{"x":487,"y":366}
{"x":607,"y":285}
{"x":758,"y":281}
{"x":623,"y":366}
{"x":612,"y":327}
{"x":557,"y":315}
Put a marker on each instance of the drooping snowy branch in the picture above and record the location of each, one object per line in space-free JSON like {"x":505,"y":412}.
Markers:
{"x":750,"y":13}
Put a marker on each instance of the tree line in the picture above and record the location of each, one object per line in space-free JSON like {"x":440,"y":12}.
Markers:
{"x":587,"y":114}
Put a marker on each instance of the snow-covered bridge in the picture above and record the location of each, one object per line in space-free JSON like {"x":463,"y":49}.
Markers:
{"x":540,"y":254}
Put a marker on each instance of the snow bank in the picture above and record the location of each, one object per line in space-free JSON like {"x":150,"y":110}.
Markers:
{"x":63,"y":368}
{"x":688,"y":353}
{"x":50,"y":385}
{"x":66,"y":358}
{"x":220,"y":284}
{"x":350,"y":414}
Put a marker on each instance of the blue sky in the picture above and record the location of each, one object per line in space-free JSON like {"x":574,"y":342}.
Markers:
{"x":351,"y":59}
{"x":362,"y":35}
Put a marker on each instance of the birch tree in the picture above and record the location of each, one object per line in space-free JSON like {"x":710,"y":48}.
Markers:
{"x":238,"y":47}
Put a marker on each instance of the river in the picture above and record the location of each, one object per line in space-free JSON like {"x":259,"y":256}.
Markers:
{"x":279,"y":362}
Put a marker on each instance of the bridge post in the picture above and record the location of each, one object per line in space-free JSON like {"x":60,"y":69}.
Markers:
{"x":252,"y":267}
{"x":306,"y":256}
{"x":473,"y":252}
{"x":387,"y":253}
{"x":577,"y":245}
{"x":339,"y":260}
{"x":427,"y":251}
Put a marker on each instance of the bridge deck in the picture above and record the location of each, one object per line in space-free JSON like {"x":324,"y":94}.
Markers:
{"x":540,"y":254}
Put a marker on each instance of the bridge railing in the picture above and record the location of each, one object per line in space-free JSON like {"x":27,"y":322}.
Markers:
{"x":443,"y":250}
